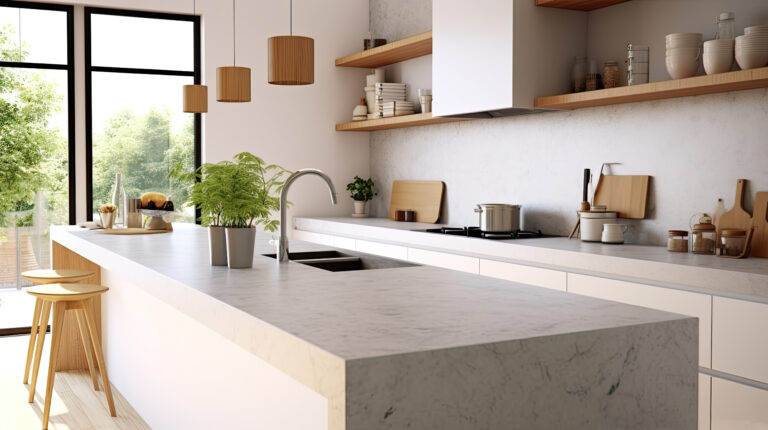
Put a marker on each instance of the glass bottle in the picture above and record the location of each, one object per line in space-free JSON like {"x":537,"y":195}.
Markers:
{"x":725,"y":25}
{"x":120,"y":200}
{"x":579,"y":74}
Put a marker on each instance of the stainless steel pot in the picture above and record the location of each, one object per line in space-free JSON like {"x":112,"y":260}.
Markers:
{"x":498,"y":217}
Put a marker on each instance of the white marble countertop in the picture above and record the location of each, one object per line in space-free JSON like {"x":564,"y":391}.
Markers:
{"x":744,"y":278}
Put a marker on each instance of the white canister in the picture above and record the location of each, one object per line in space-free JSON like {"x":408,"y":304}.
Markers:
{"x":592,"y":224}
{"x":613,"y":233}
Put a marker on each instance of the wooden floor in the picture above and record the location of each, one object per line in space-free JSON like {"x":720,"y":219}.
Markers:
{"x":75,"y":405}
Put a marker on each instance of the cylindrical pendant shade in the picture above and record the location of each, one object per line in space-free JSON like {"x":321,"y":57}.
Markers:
{"x":233,"y":84}
{"x":196,"y":98}
{"x":291,"y":60}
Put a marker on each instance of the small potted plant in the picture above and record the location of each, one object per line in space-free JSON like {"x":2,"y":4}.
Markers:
{"x":361,"y":191}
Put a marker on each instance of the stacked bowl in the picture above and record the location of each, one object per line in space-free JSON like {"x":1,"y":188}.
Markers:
{"x":718,"y":56}
{"x":683,"y":54}
{"x":752,"y":47}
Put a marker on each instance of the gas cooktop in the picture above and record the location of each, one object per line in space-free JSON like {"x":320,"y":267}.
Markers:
{"x":476,"y":232}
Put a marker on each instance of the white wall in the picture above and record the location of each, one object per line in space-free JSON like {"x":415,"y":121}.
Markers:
{"x":290,"y":126}
{"x":695,"y":148}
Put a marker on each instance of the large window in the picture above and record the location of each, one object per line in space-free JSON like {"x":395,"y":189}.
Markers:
{"x":136,"y":66}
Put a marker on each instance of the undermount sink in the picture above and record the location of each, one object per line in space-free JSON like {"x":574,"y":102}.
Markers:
{"x":335,"y":261}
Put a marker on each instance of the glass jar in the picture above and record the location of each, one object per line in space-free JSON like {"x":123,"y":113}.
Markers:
{"x":579,"y":74}
{"x":733,"y":241}
{"x":610,"y":74}
{"x":678,"y":241}
{"x":725,"y":25}
{"x":704,"y":236}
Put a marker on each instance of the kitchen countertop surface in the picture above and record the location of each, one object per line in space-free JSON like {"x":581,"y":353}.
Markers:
{"x":743,"y":278}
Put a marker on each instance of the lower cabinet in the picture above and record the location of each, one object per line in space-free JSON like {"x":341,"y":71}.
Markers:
{"x":738,"y":407}
{"x":539,"y":277}
{"x":664,"y":299}
{"x":308,"y":236}
{"x":382,"y":249}
{"x":444,"y":260}
{"x":705,"y":399}
{"x":740,"y":338}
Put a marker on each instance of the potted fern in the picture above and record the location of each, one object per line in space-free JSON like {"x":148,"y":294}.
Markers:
{"x":361,"y":190}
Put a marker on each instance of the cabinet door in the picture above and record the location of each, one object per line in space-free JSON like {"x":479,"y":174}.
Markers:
{"x":344,"y":243}
{"x":382,"y":249}
{"x":740,"y":338}
{"x":308,"y":236}
{"x":441,"y":259}
{"x":705,"y":398}
{"x":663,"y":299}
{"x":524,"y":274}
{"x":738,"y":407}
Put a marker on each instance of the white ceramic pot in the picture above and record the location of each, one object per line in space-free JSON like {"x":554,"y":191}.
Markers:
{"x":613,"y":233}
{"x":592,"y":224}
{"x":360,"y":207}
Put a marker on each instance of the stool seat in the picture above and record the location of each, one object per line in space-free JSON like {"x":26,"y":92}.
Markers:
{"x":65,"y":292}
{"x":51,"y":276}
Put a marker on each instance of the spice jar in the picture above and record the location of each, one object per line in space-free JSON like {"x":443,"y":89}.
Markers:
{"x":678,"y":241}
{"x":733,"y":241}
{"x":704,"y":236}
{"x":610,"y":74}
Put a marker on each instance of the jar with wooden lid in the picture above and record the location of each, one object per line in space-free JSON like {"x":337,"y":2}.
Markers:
{"x":611,"y":74}
{"x":732,"y":241}
{"x":704,"y":236}
{"x":678,"y":241}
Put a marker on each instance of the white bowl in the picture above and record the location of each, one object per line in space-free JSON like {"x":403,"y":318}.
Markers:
{"x":756,"y":29}
{"x":680,"y":68}
{"x":751,"y":60}
{"x":719,"y":45}
{"x":717,"y":62}
{"x":683,"y":40}
{"x":684,"y":54}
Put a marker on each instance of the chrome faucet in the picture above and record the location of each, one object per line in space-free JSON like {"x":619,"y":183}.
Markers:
{"x":282,"y":245}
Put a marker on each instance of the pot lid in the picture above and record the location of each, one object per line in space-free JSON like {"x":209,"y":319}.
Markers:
{"x":599,"y":215}
{"x":704,"y":227}
{"x":491,"y":205}
{"x":678,"y":232}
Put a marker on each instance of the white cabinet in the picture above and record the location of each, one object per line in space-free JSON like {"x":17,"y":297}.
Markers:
{"x":308,"y":236}
{"x":344,"y":243}
{"x":664,"y":299}
{"x":382,"y":249}
{"x":740,"y":338}
{"x":496,"y":56}
{"x":705,"y":398}
{"x":524,"y":274}
{"x":446,"y":261}
{"x":738,"y":407}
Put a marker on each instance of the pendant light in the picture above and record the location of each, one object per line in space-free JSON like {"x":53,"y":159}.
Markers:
{"x":233,"y":83}
{"x":291,"y":58}
{"x":195,"y":96}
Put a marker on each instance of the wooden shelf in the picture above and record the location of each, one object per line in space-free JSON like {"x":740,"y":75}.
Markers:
{"x":698,"y":85}
{"x":585,"y":5}
{"x":394,"y":52}
{"x":395,"y":122}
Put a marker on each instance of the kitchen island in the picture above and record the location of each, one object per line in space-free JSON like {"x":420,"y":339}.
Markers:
{"x":295,"y":347}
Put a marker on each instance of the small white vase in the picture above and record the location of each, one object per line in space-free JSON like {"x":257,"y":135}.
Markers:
{"x":360,"y":207}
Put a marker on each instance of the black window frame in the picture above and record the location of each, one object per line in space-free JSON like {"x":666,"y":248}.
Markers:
{"x":89,"y":69}
{"x":70,"y":68}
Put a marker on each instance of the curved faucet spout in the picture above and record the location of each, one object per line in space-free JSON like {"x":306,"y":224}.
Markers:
{"x":282,"y":246}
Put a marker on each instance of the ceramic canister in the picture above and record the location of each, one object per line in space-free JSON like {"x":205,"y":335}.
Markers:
{"x":592,"y":224}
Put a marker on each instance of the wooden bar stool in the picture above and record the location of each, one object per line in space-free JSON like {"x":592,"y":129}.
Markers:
{"x":68,"y":297}
{"x":51,"y":276}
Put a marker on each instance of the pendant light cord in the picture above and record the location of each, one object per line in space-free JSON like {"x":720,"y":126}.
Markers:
{"x":291,"y":14}
{"x":234,"y":42}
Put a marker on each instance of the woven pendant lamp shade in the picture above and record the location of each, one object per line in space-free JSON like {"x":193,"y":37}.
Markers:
{"x":291,"y":60}
{"x":196,"y":98}
{"x":233,"y":84}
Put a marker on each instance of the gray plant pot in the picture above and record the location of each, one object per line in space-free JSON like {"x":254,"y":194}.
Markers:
{"x":217,"y":245}
{"x":240,"y":244}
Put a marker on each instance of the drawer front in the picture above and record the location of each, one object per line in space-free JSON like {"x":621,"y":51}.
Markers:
{"x":738,"y":407}
{"x":740,"y":338}
{"x":546,"y":278}
{"x":382,"y":249}
{"x":446,"y":261}
{"x":308,"y":236}
{"x":705,"y":387}
{"x":663,"y":299}
{"x":344,"y":243}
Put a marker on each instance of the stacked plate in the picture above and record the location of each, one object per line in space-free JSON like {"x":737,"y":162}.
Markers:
{"x":718,"y":56}
{"x":752,"y":47}
{"x":683,"y":54}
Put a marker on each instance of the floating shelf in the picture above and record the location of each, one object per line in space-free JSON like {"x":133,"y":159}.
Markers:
{"x":585,"y":5}
{"x":395,"y":122}
{"x":698,"y":85}
{"x":394,"y":52}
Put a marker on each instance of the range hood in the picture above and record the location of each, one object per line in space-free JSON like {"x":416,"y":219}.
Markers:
{"x":492,"y":58}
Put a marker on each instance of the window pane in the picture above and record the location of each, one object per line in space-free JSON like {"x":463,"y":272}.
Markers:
{"x":124,"y":41}
{"x":43,"y":35}
{"x":140,"y":131}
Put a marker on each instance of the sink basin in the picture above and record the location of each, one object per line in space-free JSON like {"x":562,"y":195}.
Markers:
{"x":335,"y":261}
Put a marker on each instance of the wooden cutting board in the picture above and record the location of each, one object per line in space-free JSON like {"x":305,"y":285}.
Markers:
{"x":760,"y":224}
{"x":625,"y":194}
{"x":422,"y":197}
{"x":737,"y":217}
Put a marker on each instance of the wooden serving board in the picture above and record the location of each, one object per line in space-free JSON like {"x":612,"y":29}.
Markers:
{"x":131,"y":231}
{"x":625,"y":194}
{"x":422,"y":197}
{"x":737,"y":217}
{"x":760,"y":226}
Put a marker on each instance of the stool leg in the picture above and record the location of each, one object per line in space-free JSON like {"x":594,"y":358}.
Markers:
{"x":90,"y":322}
{"x":32,"y":337}
{"x":87,"y":347}
{"x":56,"y":328}
{"x":46,"y":312}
